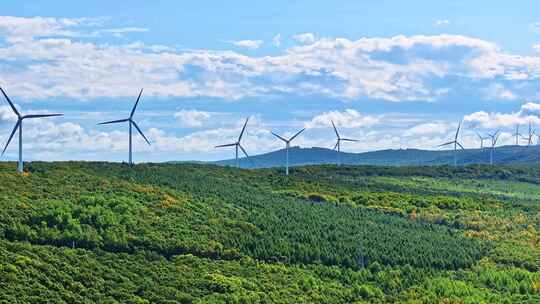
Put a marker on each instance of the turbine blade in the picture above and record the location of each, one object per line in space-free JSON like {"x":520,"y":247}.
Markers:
{"x":136,"y":103}
{"x":113,"y":121}
{"x":243,"y":150}
{"x":11,"y":136}
{"x":227,"y":145}
{"x":460,"y":145}
{"x":140,"y":132}
{"x":41,"y":115}
{"x":337,"y":143}
{"x":10,"y":103}
{"x":283,"y":139}
{"x":496,"y":139}
{"x":457,"y":132}
{"x":335,"y":129}
{"x":446,"y":144}
{"x":348,"y":139}
{"x":243,"y":130}
{"x":298,"y":133}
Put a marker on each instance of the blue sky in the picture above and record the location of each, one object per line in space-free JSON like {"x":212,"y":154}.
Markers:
{"x":392,"y":74}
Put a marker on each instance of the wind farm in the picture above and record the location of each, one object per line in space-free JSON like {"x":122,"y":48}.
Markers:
{"x":286,"y":152}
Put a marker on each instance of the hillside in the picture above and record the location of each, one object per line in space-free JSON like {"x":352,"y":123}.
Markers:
{"x":190,"y":233}
{"x":315,"y":156}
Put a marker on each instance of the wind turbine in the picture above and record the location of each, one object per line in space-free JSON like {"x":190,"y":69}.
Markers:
{"x":18,"y":125}
{"x":481,"y":140}
{"x":494,"y":137}
{"x":287,"y":146}
{"x":517,"y":135}
{"x":530,"y":136}
{"x":132,"y":124}
{"x":237,"y":145}
{"x":456,"y":144}
{"x":338,"y":143}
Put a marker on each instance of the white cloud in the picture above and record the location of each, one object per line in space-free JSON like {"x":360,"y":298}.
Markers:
{"x":306,"y":38}
{"x":276,"y":41}
{"x":120,"y":32}
{"x":248,"y":44}
{"x":529,"y":113}
{"x":17,"y":27}
{"x":192,"y":118}
{"x":7,"y":115}
{"x":347,"y":119}
{"x":426,"y":129}
{"x":497,"y":91}
{"x":442,"y":22}
{"x":47,"y":58}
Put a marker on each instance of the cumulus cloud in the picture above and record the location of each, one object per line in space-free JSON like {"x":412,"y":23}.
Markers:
{"x":192,"y":118}
{"x":529,"y":113}
{"x":498,"y":91}
{"x":49,"y":58}
{"x":18,"y":27}
{"x":347,"y":119}
{"x":248,"y":44}
{"x":426,"y":129}
{"x":306,"y":38}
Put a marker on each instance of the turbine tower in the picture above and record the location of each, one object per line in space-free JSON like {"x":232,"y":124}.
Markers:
{"x":18,"y":126}
{"x":338,"y":143}
{"x":132,"y":124}
{"x":530,"y":136}
{"x":481,"y":140}
{"x":287,"y":146}
{"x":494,"y":137}
{"x":237,"y":145}
{"x":517,"y":135}
{"x":456,"y":143}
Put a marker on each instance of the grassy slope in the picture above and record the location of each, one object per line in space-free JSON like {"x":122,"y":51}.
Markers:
{"x":190,"y":233}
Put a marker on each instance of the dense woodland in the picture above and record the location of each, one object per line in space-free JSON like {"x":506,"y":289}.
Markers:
{"x":181,"y":233}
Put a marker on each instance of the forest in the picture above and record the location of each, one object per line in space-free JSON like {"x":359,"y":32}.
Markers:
{"x":87,"y":232}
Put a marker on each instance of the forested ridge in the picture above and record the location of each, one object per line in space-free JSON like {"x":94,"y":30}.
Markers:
{"x":84,"y":232}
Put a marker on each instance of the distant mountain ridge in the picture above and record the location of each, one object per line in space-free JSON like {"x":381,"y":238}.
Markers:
{"x":390,"y":157}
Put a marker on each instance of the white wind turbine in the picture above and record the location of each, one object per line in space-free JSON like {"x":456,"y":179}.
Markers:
{"x":456,"y":143}
{"x":18,"y":126}
{"x":481,"y":140}
{"x":517,"y":135}
{"x":338,"y":143}
{"x":530,"y":136}
{"x":132,"y":124}
{"x":494,"y":137}
{"x":287,"y":146}
{"x":237,"y":145}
